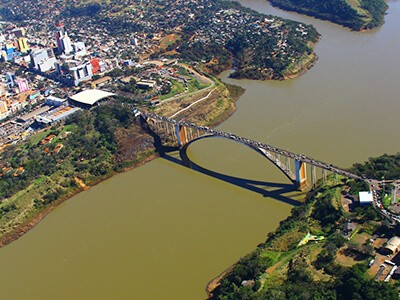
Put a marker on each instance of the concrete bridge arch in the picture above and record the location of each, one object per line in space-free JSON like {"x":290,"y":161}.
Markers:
{"x":189,"y":163}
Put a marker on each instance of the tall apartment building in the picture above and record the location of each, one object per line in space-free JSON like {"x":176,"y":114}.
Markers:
{"x":63,"y":41}
{"x":43,"y":59}
{"x":74,"y":72}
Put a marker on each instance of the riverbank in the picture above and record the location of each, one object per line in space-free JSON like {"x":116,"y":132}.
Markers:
{"x":291,"y":264}
{"x":356,"y":15}
{"x":35,"y":219}
{"x":299,"y":68}
{"x":210,"y":112}
{"x":294,"y":70}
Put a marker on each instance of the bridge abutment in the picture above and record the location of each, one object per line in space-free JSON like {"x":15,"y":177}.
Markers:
{"x":181,"y":135}
{"x":301,"y":174}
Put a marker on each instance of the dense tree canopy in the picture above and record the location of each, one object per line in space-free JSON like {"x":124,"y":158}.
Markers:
{"x":339,"y":11}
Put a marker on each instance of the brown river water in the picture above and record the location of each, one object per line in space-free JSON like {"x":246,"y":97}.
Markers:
{"x":163,"y":231}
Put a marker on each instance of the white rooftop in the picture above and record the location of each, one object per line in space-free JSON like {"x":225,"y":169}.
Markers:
{"x":91,"y":96}
{"x":365,"y":197}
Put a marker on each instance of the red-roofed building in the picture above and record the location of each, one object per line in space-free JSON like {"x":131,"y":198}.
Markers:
{"x":95,"y":65}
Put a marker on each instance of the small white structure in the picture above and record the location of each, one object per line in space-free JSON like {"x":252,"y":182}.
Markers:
{"x":366,"y":198}
{"x":146,"y":84}
{"x":79,"y":49}
{"x":55,"y":101}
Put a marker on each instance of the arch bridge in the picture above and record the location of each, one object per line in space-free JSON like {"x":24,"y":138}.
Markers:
{"x":293,"y":165}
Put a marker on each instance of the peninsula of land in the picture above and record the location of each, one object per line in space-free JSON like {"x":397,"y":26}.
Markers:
{"x":356,"y":15}
{"x":217,"y":34}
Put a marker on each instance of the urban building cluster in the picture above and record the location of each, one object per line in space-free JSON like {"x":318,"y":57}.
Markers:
{"x":71,"y":64}
{"x":38,"y":86}
{"x":57,"y":60}
{"x":43,"y":58}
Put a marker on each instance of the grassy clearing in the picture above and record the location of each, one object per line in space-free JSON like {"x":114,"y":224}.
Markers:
{"x":356,"y":5}
{"x":386,"y":201}
{"x":343,"y":259}
{"x":370,"y":228}
{"x":183,"y":71}
{"x":194,"y":85}
{"x":177,"y":88}
{"x":36,"y":138}
{"x":169,"y":40}
{"x":273,"y":255}
{"x":361,"y":238}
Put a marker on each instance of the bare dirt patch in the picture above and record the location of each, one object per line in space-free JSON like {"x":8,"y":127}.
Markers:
{"x":343,"y":259}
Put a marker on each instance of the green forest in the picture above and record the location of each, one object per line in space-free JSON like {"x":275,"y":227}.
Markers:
{"x":382,"y":167}
{"x":356,"y":15}
{"x":89,"y":147}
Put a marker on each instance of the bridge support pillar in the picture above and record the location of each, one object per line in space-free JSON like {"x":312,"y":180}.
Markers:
{"x":181,"y":135}
{"x":313,"y":176}
{"x":323,"y":175}
{"x":301,"y":174}
{"x":190,"y":133}
{"x":288,"y":163}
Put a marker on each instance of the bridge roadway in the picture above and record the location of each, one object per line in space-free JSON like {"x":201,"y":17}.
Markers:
{"x":375,"y":185}
{"x":261,"y":146}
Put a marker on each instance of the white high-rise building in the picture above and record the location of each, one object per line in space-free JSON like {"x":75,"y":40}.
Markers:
{"x":66,"y":44}
{"x":43,"y":59}
{"x":74,"y":72}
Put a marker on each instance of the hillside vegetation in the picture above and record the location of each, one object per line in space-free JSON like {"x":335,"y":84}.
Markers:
{"x":354,"y":14}
{"x":90,"y":146}
{"x":308,"y":256}
{"x":382,"y":167}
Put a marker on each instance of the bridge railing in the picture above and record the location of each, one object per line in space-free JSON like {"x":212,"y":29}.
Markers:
{"x":292,"y":155}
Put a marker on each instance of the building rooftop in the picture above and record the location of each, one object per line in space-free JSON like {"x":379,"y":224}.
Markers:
{"x":393,"y":244}
{"x":31,"y":115}
{"x":91,"y":96}
{"x":365,"y":197}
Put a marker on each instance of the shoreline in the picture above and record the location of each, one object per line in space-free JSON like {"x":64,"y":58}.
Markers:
{"x":216,"y":281}
{"x":320,"y":16}
{"x":35,"y":219}
{"x":304,"y":64}
{"x":310,"y":61}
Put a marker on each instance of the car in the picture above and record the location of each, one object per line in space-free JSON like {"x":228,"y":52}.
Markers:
{"x":136,"y":112}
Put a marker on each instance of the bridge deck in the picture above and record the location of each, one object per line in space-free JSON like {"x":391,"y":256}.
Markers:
{"x":268,"y":151}
{"x":259,"y":145}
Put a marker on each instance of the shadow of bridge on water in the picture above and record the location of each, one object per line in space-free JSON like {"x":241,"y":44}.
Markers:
{"x":260,"y":187}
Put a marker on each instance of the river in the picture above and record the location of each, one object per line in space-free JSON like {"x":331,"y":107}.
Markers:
{"x":163,"y":231}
